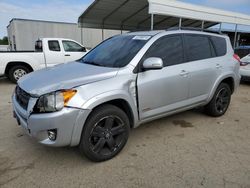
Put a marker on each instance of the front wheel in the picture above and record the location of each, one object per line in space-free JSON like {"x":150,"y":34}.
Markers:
{"x":105,"y":133}
{"x":220,"y":101}
{"x":16,"y":72}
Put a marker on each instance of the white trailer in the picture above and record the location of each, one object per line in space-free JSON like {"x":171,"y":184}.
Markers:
{"x":23,"y":33}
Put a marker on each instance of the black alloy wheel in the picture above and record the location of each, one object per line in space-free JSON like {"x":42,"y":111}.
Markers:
{"x":105,"y":133}
{"x":220,"y":101}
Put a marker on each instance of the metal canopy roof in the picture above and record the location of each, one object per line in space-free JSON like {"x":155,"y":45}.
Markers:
{"x":136,"y":15}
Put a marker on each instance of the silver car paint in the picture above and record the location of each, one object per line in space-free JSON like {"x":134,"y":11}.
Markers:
{"x":58,"y":77}
{"x":188,"y":85}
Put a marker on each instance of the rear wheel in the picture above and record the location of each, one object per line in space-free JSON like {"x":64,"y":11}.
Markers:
{"x":105,"y":133}
{"x":16,"y":72}
{"x":220,"y":101}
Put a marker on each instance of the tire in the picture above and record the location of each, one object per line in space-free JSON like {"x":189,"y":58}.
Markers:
{"x":105,"y":133}
{"x":16,"y":72}
{"x":220,"y":101}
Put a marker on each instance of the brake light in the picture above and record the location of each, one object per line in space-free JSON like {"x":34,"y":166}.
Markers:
{"x":238,"y":59}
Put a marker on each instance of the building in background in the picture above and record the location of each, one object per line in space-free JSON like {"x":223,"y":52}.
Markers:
{"x":23,"y":33}
{"x":243,"y":37}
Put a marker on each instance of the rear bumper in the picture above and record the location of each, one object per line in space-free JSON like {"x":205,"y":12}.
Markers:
{"x":67,"y":123}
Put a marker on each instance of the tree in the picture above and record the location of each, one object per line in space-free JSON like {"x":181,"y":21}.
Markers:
{"x":4,"y":41}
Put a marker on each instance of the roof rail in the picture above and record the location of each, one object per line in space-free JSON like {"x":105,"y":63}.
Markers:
{"x":194,"y":29}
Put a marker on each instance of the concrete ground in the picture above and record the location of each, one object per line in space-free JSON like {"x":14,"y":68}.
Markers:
{"x":189,"y":149}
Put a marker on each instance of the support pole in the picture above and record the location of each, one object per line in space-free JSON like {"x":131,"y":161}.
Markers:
{"x":202,"y":25}
{"x":152,"y":21}
{"x":102,"y":34}
{"x":81,"y":37}
{"x":180,"y":23}
{"x":220,"y":27}
{"x":238,"y":39}
{"x":235,"y":35}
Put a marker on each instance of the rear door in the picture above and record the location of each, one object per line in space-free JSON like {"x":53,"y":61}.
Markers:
{"x":160,"y":91}
{"x":53,"y":53}
{"x":72,"y":50}
{"x":204,"y":67}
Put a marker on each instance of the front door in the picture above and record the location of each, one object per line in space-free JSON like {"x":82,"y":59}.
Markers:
{"x":72,"y":51}
{"x":161,"y":91}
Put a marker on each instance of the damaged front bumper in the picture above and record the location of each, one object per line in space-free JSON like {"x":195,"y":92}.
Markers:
{"x":67,"y":124}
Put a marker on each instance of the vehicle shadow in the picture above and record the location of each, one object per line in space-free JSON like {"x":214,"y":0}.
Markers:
{"x":5,"y":81}
{"x":245,"y":82}
{"x":148,"y":130}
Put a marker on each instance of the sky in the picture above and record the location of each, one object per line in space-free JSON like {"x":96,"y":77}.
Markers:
{"x":69,"y":10}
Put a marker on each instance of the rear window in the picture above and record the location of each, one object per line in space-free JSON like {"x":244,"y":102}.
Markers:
{"x":39,"y":46}
{"x":198,"y":47}
{"x":219,"y":45}
{"x":54,"y":45}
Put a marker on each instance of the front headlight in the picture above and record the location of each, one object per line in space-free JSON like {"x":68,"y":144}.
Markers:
{"x":54,"y":101}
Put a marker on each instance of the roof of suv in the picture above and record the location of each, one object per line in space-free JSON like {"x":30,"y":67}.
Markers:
{"x":155,"y":32}
{"x":149,"y":33}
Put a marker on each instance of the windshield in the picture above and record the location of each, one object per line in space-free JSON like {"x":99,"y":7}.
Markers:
{"x":117,"y":51}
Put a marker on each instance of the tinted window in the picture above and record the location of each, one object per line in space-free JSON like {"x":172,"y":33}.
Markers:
{"x":198,"y":47}
{"x":168,"y":48}
{"x":70,"y":46}
{"x":54,"y":45}
{"x":39,"y":46}
{"x":117,"y":51}
{"x":219,"y":45}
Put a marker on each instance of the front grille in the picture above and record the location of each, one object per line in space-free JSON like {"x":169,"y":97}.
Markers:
{"x":22,"y":97}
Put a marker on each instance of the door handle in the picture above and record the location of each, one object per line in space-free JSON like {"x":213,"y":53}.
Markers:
{"x":218,"y":66}
{"x":184,"y":73}
{"x":67,"y":54}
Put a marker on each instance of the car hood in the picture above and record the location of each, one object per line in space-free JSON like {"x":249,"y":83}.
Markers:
{"x":64,"y":76}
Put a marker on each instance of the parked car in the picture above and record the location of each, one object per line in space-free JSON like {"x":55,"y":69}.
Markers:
{"x":48,"y":52}
{"x":245,"y":68}
{"x":126,"y":81}
{"x":242,"y":51}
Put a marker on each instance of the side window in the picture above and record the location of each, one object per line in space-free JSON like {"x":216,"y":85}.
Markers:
{"x":54,"y":45}
{"x":220,"y":45}
{"x":213,"y":53}
{"x":198,"y":47}
{"x":39,"y":46}
{"x":168,"y":48}
{"x":70,"y":46}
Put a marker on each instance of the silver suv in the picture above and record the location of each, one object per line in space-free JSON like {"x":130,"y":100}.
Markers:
{"x":125,"y":81}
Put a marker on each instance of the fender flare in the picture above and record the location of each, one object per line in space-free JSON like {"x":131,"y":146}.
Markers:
{"x":96,"y":101}
{"x":217,"y":83}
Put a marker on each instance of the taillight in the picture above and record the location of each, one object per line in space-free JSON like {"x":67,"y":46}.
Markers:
{"x":238,"y":59}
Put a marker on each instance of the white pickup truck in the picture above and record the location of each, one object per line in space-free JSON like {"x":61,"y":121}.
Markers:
{"x":48,"y":52}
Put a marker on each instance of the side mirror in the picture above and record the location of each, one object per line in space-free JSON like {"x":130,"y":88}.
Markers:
{"x":153,"y":63}
{"x":83,"y":49}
